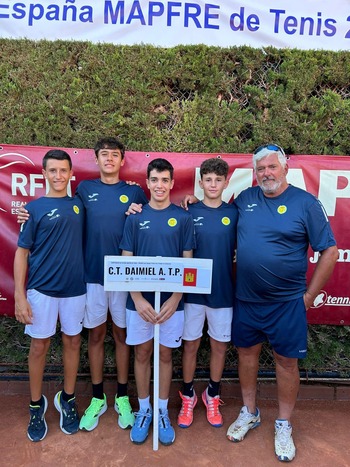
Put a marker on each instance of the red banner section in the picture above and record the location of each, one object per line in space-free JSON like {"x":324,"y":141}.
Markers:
{"x":327,"y":177}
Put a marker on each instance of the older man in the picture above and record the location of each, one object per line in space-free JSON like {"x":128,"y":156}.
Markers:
{"x":277,"y":223}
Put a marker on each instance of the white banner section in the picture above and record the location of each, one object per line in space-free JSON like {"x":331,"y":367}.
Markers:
{"x":303,"y":24}
{"x":157,"y":274}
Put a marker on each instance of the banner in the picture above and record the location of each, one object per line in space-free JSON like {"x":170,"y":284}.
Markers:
{"x":327,"y":177}
{"x":303,"y":24}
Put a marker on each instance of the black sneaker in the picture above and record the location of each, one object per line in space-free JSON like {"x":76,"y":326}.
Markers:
{"x":37,"y":428}
{"x":69,"y":418}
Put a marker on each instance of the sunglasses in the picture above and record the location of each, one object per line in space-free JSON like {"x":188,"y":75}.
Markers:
{"x":270,"y":147}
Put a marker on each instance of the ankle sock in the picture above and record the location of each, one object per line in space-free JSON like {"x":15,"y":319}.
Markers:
{"x":144,"y":404}
{"x":188,"y":389}
{"x":163,"y":405}
{"x":122,"y":389}
{"x":213,"y":388}
{"x":40,"y":402}
{"x":97,"y":391}
{"x":67,"y":397}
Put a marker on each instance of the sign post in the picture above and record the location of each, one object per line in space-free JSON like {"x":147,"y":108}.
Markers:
{"x":157,"y":274}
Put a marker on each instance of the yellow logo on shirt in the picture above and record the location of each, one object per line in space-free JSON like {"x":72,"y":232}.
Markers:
{"x":226,"y":221}
{"x":76,"y":209}
{"x":282,"y":209}
{"x":172,"y":222}
{"x":123,"y":199}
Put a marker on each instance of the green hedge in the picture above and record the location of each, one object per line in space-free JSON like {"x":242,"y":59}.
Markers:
{"x":182,"y":99}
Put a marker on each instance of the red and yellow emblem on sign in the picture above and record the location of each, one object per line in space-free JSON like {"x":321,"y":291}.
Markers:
{"x":190,"y":277}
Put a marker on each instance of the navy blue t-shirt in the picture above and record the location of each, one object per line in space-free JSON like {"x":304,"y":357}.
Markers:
{"x":105,"y":207}
{"x":54,"y":236}
{"x":166,"y":232}
{"x":215,"y":231}
{"x":273,"y":236}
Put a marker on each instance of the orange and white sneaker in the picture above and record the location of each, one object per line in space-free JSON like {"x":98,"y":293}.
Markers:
{"x":212,"y":404}
{"x":185,"y":417}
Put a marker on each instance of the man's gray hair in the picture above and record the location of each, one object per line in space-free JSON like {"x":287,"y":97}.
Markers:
{"x":268,"y":149}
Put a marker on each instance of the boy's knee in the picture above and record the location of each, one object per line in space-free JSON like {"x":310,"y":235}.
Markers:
{"x":39,"y":347}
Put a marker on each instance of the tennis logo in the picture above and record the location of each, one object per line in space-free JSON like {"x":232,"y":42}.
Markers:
{"x":123,"y":199}
{"x":172,"y":222}
{"x":76,"y":209}
{"x":226,"y":221}
{"x":190,"y":277}
{"x":282,"y":209}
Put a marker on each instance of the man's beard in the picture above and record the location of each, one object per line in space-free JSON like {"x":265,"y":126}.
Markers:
{"x":272,"y":187}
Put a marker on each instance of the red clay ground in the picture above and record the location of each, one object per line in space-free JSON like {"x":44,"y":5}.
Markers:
{"x":321,"y":434}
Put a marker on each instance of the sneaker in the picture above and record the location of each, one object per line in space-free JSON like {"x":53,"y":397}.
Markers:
{"x":97,"y":407}
{"x":37,"y":428}
{"x":126,"y":417}
{"x":284,"y":445}
{"x":246,"y":421}
{"x":212,"y":404}
{"x":166,"y":433}
{"x":69,"y":418}
{"x":185,"y":417}
{"x":139,"y":431}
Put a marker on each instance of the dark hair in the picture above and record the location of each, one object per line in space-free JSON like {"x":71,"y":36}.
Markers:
{"x":214,"y":165}
{"x":57,"y":154}
{"x":109,"y":143}
{"x":160,"y":165}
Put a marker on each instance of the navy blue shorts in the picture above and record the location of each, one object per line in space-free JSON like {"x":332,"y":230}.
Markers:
{"x":283,"y":324}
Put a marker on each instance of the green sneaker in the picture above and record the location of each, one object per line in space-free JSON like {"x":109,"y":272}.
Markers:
{"x":97,"y":407}
{"x":126,"y":417}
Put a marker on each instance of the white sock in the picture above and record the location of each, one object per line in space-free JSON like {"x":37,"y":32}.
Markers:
{"x":144,"y":404}
{"x":163,"y":405}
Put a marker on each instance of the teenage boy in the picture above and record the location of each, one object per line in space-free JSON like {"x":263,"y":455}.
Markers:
{"x":106,"y":200}
{"x":161,"y":229}
{"x":215,"y":223}
{"x":50,"y":250}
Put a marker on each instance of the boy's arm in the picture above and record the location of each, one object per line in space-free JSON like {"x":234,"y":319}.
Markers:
{"x":23,"y":311}
{"x":143,"y":307}
{"x":169,"y":306}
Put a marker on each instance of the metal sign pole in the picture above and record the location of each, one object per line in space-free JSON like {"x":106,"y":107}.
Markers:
{"x":156,"y":376}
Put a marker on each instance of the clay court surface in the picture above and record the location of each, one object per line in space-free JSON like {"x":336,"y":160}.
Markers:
{"x":321,"y":434}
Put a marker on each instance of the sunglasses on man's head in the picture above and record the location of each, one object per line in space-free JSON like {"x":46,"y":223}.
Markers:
{"x":270,"y":147}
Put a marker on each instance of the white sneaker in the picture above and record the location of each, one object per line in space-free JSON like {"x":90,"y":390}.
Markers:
{"x":284,"y":445}
{"x":246,"y":421}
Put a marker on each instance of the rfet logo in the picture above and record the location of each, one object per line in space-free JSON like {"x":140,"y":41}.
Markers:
{"x":14,"y":158}
{"x":190,"y":277}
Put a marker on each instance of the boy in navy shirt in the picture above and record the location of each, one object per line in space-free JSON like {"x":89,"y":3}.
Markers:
{"x":50,"y":249}
{"x":215,"y":224}
{"x":161,"y":229}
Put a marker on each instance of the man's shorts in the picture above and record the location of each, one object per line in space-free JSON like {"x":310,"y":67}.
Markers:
{"x":139,"y":331}
{"x":283,"y":324}
{"x":219,"y":322}
{"x":46,"y":311}
{"x":98,"y":302}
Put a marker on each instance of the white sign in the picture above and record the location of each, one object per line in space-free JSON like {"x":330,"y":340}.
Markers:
{"x":303,"y":24}
{"x":163,"y":274}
